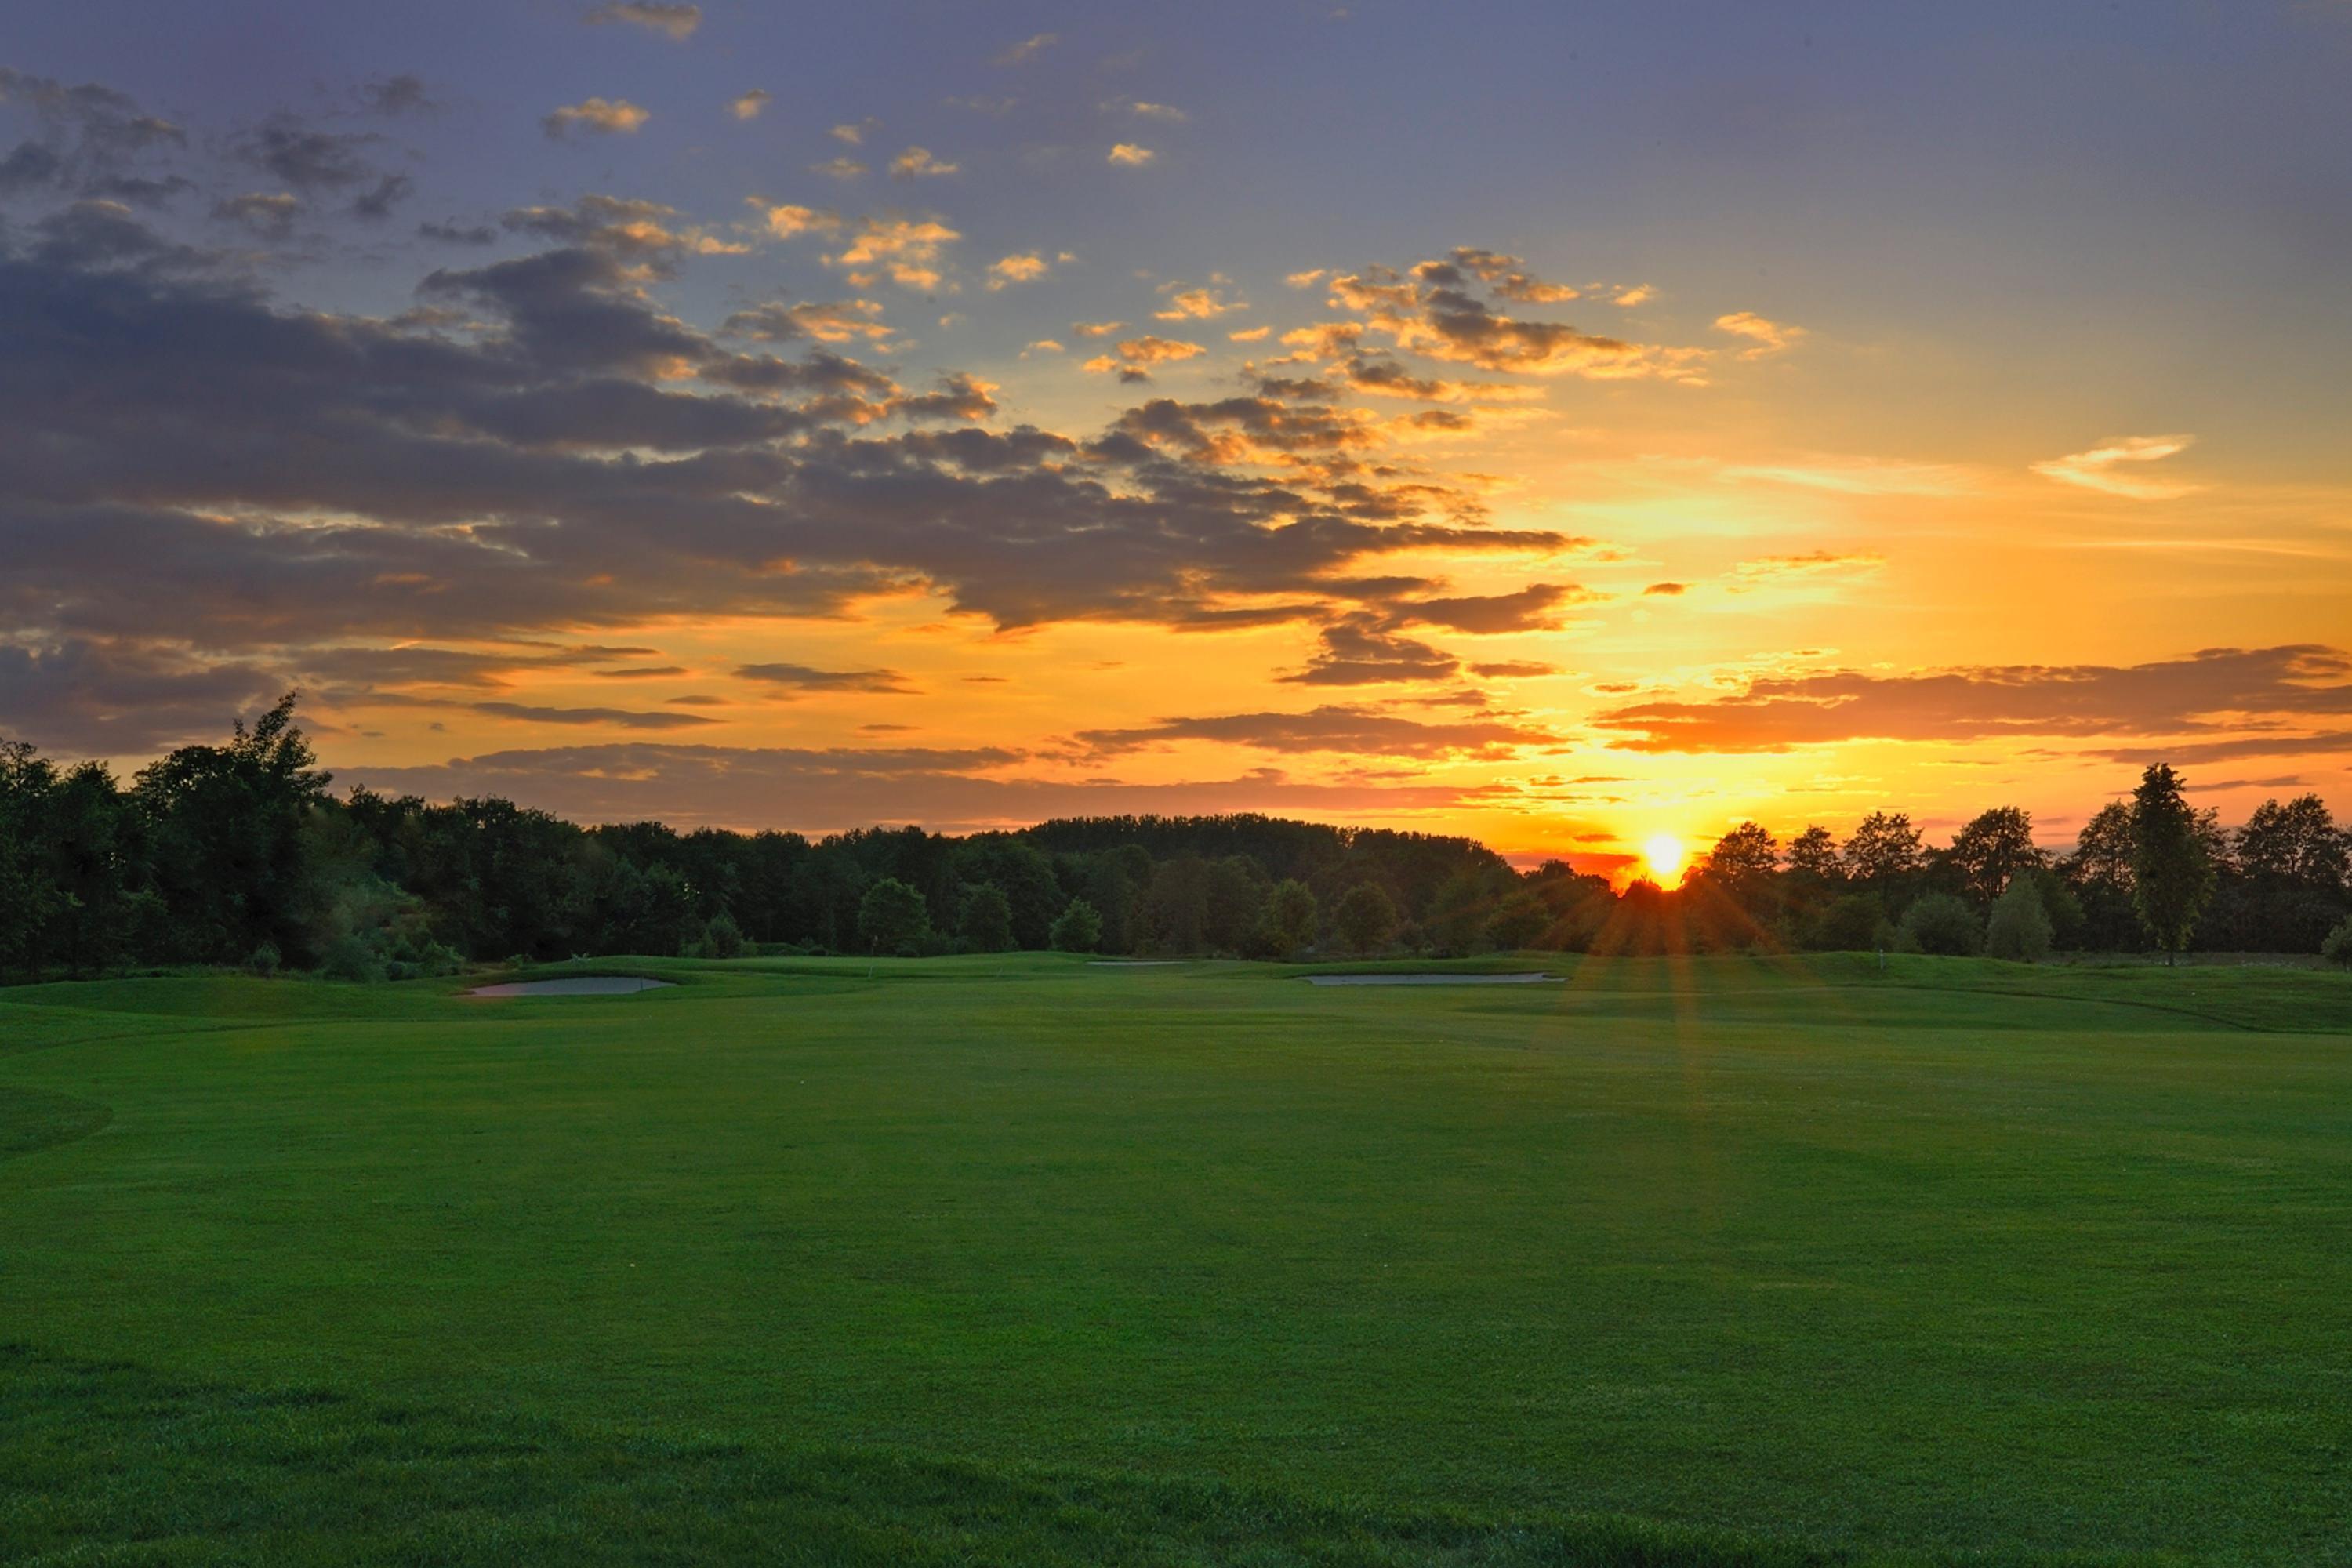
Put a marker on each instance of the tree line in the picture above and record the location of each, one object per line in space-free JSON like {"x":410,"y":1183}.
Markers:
{"x":240,"y":854}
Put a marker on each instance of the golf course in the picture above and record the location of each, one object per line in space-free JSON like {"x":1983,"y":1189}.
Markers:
{"x":1025,"y":1259}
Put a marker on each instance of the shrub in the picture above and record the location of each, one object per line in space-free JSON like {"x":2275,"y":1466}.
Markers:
{"x":1944,"y":924}
{"x":1077,"y":929}
{"x":263,"y":961}
{"x":722,"y":938}
{"x":2020,"y":928}
{"x":1848,"y":924}
{"x":2337,"y":946}
{"x":349,"y":958}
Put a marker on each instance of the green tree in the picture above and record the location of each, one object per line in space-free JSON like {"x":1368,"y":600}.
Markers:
{"x":985,"y":923}
{"x":1364,"y":917}
{"x":95,"y":859}
{"x":228,"y":836}
{"x":1941,"y":923}
{"x":1992,"y":848}
{"x":1883,"y":850}
{"x":2020,"y":927}
{"x":1290,"y":917}
{"x":720,"y":938}
{"x":29,"y":897}
{"x":2172,"y":870}
{"x":2336,"y":945}
{"x":1078,"y":927}
{"x":1847,"y":924}
{"x":892,"y":917}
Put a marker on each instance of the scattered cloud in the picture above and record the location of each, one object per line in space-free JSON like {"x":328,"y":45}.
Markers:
{"x":2215,"y":689}
{"x":1248,"y":335}
{"x":909,"y":251}
{"x":1749,"y":575}
{"x":1666,"y":590}
{"x":1768,"y":337}
{"x":1133,"y":358}
{"x":1128,"y":155}
{"x":1198,"y":304}
{"x":842,"y":168}
{"x":801,"y":678}
{"x":1027,"y":50}
{"x":1095,"y":328}
{"x":748,"y":105}
{"x":1025,"y":267}
{"x":1339,"y":728}
{"x":676,"y":22}
{"x":1168,"y":113}
{"x":855,"y":132}
{"x":1639,"y":294}
{"x":917,"y":163}
{"x":605,"y":116}
{"x":2107,"y":466}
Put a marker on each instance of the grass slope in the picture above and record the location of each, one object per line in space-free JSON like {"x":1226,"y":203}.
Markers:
{"x":1027,"y":1260}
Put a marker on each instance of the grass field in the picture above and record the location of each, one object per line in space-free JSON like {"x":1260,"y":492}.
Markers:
{"x":1025,"y":1260}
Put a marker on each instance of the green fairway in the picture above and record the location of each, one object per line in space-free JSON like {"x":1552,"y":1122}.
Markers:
{"x":1026,"y":1260}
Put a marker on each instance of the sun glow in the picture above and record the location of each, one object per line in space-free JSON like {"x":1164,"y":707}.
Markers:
{"x":1663,"y":855}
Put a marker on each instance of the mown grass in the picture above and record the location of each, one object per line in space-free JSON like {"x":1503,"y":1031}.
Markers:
{"x":1025,"y":1260}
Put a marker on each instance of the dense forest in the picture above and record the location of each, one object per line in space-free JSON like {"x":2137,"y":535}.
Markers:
{"x":239,"y":853}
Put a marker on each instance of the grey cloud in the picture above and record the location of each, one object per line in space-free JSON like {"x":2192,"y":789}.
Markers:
{"x":801,"y":678}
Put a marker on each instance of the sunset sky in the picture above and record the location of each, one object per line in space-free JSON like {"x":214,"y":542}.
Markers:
{"x":1559,"y":423}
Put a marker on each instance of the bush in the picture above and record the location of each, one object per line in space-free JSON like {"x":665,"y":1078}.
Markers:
{"x":1077,"y":929}
{"x":349,"y":958}
{"x":2337,"y":946}
{"x":1848,"y":924}
{"x":263,"y":960}
{"x":2020,"y":929}
{"x":722,"y":938}
{"x":1943,"y":925}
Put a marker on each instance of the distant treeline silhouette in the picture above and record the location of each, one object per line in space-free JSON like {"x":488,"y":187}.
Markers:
{"x":239,"y":854}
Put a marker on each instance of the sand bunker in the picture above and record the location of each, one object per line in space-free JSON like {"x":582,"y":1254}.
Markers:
{"x":1432,"y":979}
{"x":579,"y":985}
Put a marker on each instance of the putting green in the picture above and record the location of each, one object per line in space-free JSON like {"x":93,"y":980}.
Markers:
{"x":1760,"y":1256}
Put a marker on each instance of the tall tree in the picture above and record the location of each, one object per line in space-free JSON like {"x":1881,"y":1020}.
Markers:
{"x":1883,"y":849}
{"x":1365,"y":916}
{"x":1815,"y":853}
{"x":1991,"y":848}
{"x":28,"y":895}
{"x":1744,"y":859}
{"x":2172,"y":870}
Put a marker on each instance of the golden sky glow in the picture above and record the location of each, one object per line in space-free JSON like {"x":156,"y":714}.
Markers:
{"x":1031,"y":420}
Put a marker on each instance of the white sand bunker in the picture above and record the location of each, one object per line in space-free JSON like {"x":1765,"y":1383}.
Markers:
{"x":578,"y":985}
{"x":1433,"y":979}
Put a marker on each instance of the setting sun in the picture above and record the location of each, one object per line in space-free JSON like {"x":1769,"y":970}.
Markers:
{"x":1661,"y":854}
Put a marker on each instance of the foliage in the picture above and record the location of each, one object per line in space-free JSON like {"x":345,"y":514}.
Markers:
{"x":1993,"y":847}
{"x":986,"y":922}
{"x":1364,"y":917}
{"x":1077,"y":929}
{"x":1883,"y":850}
{"x":720,"y":938}
{"x":1847,"y":924}
{"x":2172,"y":870}
{"x":2020,"y":928}
{"x":1290,"y":917}
{"x":892,"y":918}
{"x":2336,"y":945}
{"x":1940,"y":924}
{"x":1814,"y":854}
{"x":1744,"y":859}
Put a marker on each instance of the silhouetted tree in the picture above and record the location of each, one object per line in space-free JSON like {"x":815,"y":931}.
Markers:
{"x":1883,"y":851}
{"x":1815,"y":853}
{"x":2172,"y":868}
{"x":1940,"y":924}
